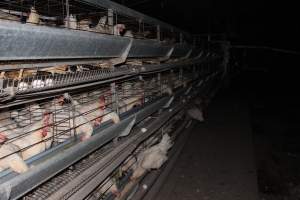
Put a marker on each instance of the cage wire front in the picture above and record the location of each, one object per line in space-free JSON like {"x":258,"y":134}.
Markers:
{"x":76,"y":116}
{"x":80,"y":15}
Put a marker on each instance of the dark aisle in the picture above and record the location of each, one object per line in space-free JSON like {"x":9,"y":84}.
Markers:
{"x":217,"y":162}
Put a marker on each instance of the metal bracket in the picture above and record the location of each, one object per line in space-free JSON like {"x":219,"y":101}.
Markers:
{"x":167,"y":56}
{"x":199,"y":55}
{"x":187,"y":55}
{"x":123,"y":57}
{"x":188,"y":90}
{"x":169,"y":102}
{"x":128,"y":129}
{"x":115,"y":98}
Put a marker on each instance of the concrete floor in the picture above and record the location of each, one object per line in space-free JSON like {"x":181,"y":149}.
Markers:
{"x":217,"y":162}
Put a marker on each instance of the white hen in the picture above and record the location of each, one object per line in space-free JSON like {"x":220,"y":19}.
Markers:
{"x":15,"y":153}
{"x":128,"y":33}
{"x":166,"y":89}
{"x":96,"y":111}
{"x":119,"y":28}
{"x":153,"y":157}
{"x":34,"y":17}
{"x":34,"y":143}
{"x":127,"y":104}
{"x":7,"y":126}
{"x":79,"y":126}
{"x":10,"y":159}
{"x":71,"y":22}
{"x":196,"y":113}
{"x":101,"y":26}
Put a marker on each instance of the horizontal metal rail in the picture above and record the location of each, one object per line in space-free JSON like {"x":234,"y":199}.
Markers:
{"x":81,"y":81}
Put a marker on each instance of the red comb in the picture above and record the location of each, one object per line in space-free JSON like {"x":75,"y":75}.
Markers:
{"x":102,"y":98}
{"x":45,"y":124}
{"x":3,"y":138}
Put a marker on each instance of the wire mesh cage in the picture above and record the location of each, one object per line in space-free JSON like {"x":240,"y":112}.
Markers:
{"x":43,"y":79}
{"x":82,"y":15}
{"x":123,"y":179}
{"x":46,"y":124}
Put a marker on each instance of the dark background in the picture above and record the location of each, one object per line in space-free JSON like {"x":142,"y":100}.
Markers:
{"x":247,"y":21}
{"x":268,"y":80}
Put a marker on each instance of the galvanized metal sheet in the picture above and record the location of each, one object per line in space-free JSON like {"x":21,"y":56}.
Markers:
{"x":31,"y":42}
{"x":196,"y":51}
{"x":148,"y":48}
{"x":181,"y":50}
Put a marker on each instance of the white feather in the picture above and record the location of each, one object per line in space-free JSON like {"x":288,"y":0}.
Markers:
{"x":118,"y":29}
{"x":34,"y":17}
{"x":196,"y":113}
{"x":167,"y":90}
{"x":153,"y":157}
{"x":7,"y":126}
{"x":128,"y":33}
{"x":84,"y":127}
{"x":10,"y":159}
{"x":30,"y":145}
{"x":71,"y":22}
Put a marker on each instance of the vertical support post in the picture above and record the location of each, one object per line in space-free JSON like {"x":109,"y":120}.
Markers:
{"x":181,"y":75}
{"x":194,"y":70}
{"x":114,"y":97}
{"x":194,"y":41}
{"x":68,"y":13}
{"x":110,"y":20}
{"x":54,"y":127}
{"x":159,"y":82}
{"x":140,"y":26}
{"x":208,"y":63}
{"x":1,"y":83}
{"x":226,"y":54}
{"x":158,"y":33}
{"x":181,"y":38}
{"x":72,"y":113}
{"x":21,"y":74}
